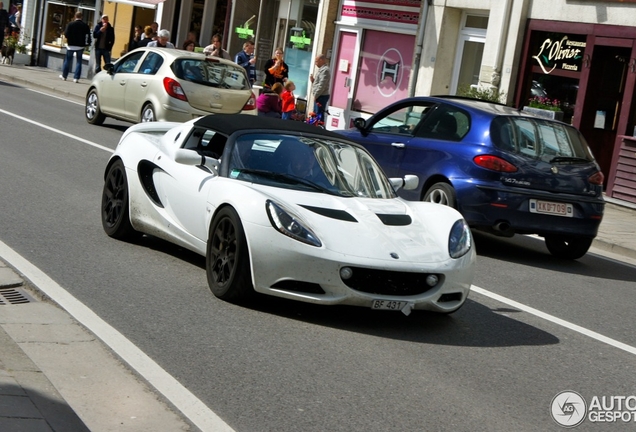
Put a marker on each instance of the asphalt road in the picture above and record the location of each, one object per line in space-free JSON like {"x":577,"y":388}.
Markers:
{"x":285,"y":366}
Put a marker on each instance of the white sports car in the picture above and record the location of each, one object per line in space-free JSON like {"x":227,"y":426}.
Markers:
{"x":287,"y":209}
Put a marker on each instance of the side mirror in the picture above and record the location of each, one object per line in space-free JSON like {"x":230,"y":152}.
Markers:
{"x":359,"y":123}
{"x":190,"y":157}
{"x":109,"y":68}
{"x":409,"y":182}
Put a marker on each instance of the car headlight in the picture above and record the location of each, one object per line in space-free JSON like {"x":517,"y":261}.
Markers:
{"x":460,"y":239}
{"x":289,"y":224}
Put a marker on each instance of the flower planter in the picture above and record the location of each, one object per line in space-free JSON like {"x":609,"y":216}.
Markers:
{"x":22,"y":59}
{"x":544,"y":113}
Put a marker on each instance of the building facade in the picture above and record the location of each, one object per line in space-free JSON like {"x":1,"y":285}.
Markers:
{"x":580,"y":53}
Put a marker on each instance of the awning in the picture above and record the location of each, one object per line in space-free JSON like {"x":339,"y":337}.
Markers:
{"x":150,"y":4}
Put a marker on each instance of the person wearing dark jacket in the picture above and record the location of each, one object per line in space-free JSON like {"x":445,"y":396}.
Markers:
{"x":4,"y":21}
{"x":104,"y":36}
{"x":246,"y":59}
{"x":78,"y":36}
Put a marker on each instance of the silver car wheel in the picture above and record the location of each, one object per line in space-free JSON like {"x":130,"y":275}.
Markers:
{"x":92,"y":111}
{"x":91,"y":106}
{"x":441,"y":193}
{"x":148,"y":114}
{"x":438,"y":196}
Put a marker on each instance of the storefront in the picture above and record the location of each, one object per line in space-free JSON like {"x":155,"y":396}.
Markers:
{"x":373,"y":57}
{"x":590,"y":70}
{"x":57,"y":14}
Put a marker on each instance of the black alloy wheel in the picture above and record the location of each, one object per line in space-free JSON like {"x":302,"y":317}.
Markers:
{"x":227,"y":258}
{"x":115,"y":217}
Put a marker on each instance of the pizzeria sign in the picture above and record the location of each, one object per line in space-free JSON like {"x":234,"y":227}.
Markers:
{"x":559,"y":51}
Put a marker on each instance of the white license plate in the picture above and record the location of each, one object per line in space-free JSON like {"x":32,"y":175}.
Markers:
{"x":388,"y":305}
{"x":553,"y":208}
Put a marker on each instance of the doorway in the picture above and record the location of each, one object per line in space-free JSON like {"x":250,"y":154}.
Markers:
{"x":603,"y":100}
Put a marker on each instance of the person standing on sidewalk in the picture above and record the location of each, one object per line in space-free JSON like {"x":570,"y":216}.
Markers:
{"x":78,"y":36}
{"x":163,"y":40}
{"x":246,"y":59}
{"x":4,"y":22}
{"x":320,"y":87}
{"x":104,"y":36}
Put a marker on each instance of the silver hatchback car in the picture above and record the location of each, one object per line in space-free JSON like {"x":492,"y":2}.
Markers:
{"x":163,"y":84}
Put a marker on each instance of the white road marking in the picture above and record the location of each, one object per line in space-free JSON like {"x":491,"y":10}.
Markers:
{"x":56,"y":97}
{"x":66,"y":134}
{"x":582,"y":330}
{"x":189,"y":405}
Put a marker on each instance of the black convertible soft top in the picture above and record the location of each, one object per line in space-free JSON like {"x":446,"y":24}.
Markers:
{"x":227,"y":124}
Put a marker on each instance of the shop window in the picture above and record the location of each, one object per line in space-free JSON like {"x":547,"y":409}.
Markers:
{"x":58,"y":15}
{"x":298,"y":37}
{"x":470,"y":50}
{"x":386,"y":60}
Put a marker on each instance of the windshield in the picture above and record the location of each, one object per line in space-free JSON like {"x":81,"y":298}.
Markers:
{"x":549,"y":141}
{"x":308,"y":164}
{"x":211,"y":73}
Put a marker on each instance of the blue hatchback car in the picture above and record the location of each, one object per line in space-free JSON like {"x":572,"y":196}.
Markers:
{"x":506,"y":171}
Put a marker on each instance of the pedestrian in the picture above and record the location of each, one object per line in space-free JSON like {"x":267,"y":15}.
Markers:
{"x":246,"y":59}
{"x":276,"y":70}
{"x":268,"y":103}
{"x":289,"y":100}
{"x":78,"y":36}
{"x":154,"y":27}
{"x":214,"y":49}
{"x":192,"y":36}
{"x":320,"y":86}
{"x":136,"y":38}
{"x":104,"y":36}
{"x":16,"y":17}
{"x":4,"y":21}
{"x":163,"y":40}
{"x":188,"y":45}
{"x":148,"y":37}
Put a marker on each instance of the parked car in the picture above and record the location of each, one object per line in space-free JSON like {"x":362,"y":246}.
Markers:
{"x":160,"y":84}
{"x":506,"y":171}
{"x":287,"y":209}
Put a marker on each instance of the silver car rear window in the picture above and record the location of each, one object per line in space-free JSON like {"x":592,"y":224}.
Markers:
{"x":211,"y":73}
{"x":539,"y":139}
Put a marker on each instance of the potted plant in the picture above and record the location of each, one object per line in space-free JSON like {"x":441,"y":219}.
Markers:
{"x":490,"y":94}
{"x":20,"y":49}
{"x":545,"y":107}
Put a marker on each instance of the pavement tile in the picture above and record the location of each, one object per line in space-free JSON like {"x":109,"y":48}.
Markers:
{"x":18,"y":406}
{"x":24,"y":425}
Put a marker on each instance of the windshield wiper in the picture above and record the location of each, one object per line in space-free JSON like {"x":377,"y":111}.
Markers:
{"x":568,"y":159}
{"x":288,"y":179}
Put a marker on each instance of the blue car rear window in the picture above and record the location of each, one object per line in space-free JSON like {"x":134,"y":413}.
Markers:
{"x":539,"y":139}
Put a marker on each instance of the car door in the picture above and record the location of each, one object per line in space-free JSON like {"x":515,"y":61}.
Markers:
{"x":183,"y":189}
{"x":139,"y":83}
{"x":436,"y":148}
{"x":113,"y":88}
{"x":389,"y":133}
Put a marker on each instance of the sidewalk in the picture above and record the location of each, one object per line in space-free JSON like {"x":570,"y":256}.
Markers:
{"x":57,"y":376}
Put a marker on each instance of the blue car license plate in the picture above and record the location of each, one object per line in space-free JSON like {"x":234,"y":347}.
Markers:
{"x":552,"y":208}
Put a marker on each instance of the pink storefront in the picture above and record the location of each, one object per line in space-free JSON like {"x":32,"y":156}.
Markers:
{"x":372,"y":57}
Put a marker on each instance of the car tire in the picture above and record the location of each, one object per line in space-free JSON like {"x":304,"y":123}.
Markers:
{"x":227,"y":259}
{"x":92,"y":110}
{"x":441,"y":193}
{"x":568,"y":247}
{"x":115,"y":215}
{"x":148,"y":113}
